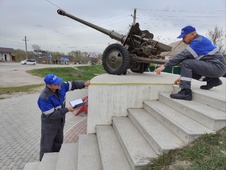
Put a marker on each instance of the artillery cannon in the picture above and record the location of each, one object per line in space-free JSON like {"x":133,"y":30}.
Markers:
{"x":136,"y":51}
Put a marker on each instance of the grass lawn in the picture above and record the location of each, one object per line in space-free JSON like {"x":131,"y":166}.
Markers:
{"x":206,"y":153}
{"x":69,"y":73}
{"x":11,"y":90}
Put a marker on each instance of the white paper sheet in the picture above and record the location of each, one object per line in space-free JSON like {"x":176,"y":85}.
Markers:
{"x":76,"y":102}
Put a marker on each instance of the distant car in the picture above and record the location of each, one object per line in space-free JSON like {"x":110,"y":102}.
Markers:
{"x":29,"y":61}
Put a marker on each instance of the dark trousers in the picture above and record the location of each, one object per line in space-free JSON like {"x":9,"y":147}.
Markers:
{"x":51,"y":138}
{"x":192,"y":68}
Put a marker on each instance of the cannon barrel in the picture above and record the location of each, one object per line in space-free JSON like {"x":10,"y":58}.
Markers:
{"x":111,"y":33}
{"x":135,"y":51}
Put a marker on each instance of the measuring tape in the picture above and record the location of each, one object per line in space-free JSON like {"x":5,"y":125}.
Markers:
{"x":128,"y":84}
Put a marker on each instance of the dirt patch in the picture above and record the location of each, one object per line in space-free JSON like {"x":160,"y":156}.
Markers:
{"x":181,"y":164}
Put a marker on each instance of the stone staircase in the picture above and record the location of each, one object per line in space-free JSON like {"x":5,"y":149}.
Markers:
{"x":132,"y":141}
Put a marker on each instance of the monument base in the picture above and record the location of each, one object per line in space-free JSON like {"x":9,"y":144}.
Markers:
{"x":112,"y":95}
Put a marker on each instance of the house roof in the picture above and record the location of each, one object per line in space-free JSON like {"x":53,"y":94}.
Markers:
{"x":6,"y":50}
{"x":178,"y":46}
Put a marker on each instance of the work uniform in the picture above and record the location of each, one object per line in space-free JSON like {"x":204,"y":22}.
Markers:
{"x":200,"y":60}
{"x":52,"y":105}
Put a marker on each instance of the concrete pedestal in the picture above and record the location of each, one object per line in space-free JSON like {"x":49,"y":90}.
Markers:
{"x":112,"y":95}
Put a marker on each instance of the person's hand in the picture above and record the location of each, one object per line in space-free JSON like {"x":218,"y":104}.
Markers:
{"x":177,"y":81}
{"x":70,"y":109}
{"x":87,"y":83}
{"x":159,"y":69}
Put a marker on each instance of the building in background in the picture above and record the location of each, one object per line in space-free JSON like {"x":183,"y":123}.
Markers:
{"x":6,"y":54}
{"x":178,"y":46}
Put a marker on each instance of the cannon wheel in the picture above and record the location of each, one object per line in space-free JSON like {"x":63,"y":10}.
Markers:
{"x":116,"y":59}
{"x":142,"y":67}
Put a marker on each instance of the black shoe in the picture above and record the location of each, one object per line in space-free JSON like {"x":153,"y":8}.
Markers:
{"x":213,"y":82}
{"x":184,"y":94}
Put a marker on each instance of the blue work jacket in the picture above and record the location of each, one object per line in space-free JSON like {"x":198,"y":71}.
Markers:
{"x":52,"y":104}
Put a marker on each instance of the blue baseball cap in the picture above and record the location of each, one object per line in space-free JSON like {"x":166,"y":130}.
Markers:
{"x":52,"y":79}
{"x":186,"y":30}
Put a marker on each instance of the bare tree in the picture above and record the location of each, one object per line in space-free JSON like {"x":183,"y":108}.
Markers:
{"x":217,"y":35}
{"x":36,"y":47}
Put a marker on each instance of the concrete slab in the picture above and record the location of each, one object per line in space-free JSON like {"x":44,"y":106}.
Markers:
{"x":111,"y":152}
{"x":111,"y":95}
{"x":184,"y":127}
{"x":158,"y":136}
{"x":68,"y":157}
{"x":213,"y":101}
{"x":134,"y":79}
{"x":135,"y":146}
{"x":88,"y":153}
{"x":216,"y":92}
{"x":215,"y":97}
{"x":49,"y":161}
{"x":32,"y":166}
{"x":206,"y":115}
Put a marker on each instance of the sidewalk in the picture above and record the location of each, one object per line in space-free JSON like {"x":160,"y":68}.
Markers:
{"x":72,"y":135}
{"x":20,"y":129}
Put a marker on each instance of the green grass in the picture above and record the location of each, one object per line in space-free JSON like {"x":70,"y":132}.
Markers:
{"x":11,"y":90}
{"x":206,"y":153}
{"x":68,"y":73}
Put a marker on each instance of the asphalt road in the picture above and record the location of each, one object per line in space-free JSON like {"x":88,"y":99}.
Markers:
{"x":14,"y":74}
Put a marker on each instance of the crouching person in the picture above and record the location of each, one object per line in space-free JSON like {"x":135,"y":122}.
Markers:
{"x":52,"y":105}
{"x":201,"y":60}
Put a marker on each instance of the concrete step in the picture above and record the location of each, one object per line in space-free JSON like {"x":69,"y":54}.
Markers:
{"x":111,"y":152}
{"x":211,"y":97}
{"x":184,"y":127}
{"x":49,"y":161}
{"x":137,"y":149}
{"x":32,"y":166}
{"x":210,"y":117}
{"x":88,"y":153}
{"x":158,"y":136}
{"x":68,"y":157}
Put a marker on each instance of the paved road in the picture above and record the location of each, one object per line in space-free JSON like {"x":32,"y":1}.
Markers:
{"x":20,"y":119}
{"x":14,"y":74}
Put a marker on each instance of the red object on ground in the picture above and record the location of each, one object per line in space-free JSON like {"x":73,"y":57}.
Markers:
{"x":83,"y":108}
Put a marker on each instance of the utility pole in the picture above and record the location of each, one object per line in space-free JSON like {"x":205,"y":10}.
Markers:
{"x":25,"y":39}
{"x":134,"y":16}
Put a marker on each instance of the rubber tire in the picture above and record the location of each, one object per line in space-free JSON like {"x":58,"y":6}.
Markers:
{"x":125,"y":59}
{"x":142,"y":67}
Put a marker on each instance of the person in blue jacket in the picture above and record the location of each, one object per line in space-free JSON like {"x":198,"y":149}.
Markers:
{"x":201,"y":60}
{"x":52,"y":105}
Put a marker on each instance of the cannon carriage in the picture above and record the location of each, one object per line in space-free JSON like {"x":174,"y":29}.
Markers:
{"x":135,"y":51}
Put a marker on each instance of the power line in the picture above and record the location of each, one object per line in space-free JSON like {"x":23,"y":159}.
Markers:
{"x":53,"y":4}
{"x":180,"y":11}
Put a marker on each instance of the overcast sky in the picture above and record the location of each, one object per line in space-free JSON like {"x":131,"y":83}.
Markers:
{"x":40,"y":23}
